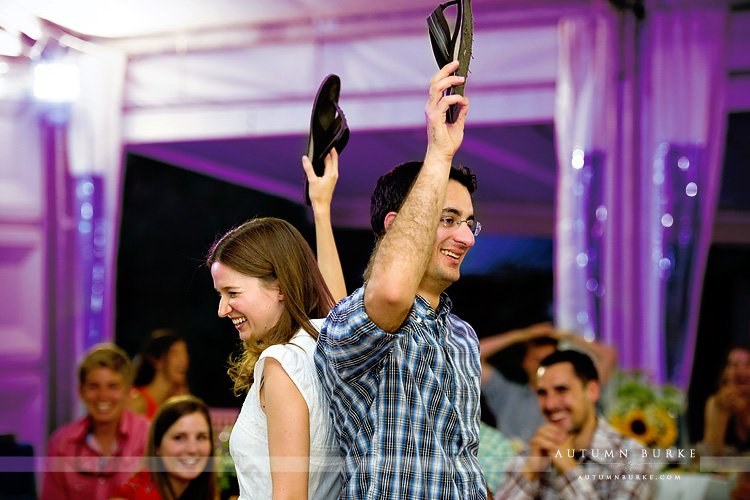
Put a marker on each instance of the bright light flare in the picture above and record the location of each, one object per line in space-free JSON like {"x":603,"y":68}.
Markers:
{"x":56,"y":82}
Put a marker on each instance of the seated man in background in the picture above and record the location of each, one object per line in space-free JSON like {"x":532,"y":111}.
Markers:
{"x":513,"y":404}
{"x":88,"y":458}
{"x":575,"y":453}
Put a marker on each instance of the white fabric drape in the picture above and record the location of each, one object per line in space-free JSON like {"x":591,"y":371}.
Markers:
{"x":638,"y":175}
{"x":95,"y":165}
{"x":585,"y":132}
{"x":682,"y":138}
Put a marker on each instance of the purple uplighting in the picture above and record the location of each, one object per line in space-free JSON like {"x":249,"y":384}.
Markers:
{"x":610,"y":150}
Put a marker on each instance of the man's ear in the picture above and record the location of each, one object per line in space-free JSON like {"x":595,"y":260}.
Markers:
{"x":389,"y":218}
{"x":593,"y":390}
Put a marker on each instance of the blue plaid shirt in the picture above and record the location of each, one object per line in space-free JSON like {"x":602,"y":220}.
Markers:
{"x":405,"y":405}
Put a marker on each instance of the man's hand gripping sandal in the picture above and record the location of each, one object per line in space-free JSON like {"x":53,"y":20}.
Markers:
{"x":449,"y":46}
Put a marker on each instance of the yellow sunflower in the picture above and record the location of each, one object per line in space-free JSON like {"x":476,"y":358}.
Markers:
{"x":635,"y":424}
{"x":667,"y":425}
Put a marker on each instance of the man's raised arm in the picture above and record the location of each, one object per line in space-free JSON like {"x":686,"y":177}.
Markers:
{"x":403,"y":255}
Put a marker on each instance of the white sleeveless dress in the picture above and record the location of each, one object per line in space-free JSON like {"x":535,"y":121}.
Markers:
{"x":248,"y":443}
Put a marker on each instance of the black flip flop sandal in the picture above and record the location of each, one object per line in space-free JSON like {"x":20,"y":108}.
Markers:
{"x":328,"y":128}
{"x":449,"y":46}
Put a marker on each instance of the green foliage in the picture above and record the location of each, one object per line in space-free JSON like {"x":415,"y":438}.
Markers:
{"x":226,"y":474}
{"x":635,"y":390}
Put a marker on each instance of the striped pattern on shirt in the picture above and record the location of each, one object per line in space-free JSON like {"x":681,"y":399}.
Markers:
{"x":405,"y":405}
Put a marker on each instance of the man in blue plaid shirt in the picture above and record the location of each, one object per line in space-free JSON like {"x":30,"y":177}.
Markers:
{"x":403,"y":373}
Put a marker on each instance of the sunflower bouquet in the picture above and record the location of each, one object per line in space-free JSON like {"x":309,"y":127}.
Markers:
{"x":645,"y":411}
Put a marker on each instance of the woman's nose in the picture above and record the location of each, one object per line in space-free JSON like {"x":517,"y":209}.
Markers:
{"x":224,"y":308}
{"x":191,"y":446}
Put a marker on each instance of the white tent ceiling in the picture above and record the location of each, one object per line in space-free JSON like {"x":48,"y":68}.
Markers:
{"x":144,"y":18}
{"x":225,"y":87}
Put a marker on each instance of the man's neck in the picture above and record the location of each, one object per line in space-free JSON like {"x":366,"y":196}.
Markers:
{"x":582,"y":440}
{"x":105,"y":435}
{"x":430,"y":293}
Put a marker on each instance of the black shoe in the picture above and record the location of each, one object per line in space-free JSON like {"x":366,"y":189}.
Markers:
{"x":328,"y":128}
{"x":449,"y":47}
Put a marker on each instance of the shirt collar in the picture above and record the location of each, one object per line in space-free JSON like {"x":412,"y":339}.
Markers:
{"x":85,"y":424}
{"x":423,"y":309}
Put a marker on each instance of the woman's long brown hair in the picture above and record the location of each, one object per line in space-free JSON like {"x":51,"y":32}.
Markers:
{"x":275,"y":252}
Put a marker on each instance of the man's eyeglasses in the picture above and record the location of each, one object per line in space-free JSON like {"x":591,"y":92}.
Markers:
{"x":474,"y":225}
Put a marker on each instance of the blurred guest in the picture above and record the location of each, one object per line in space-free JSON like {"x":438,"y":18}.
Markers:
{"x":162,"y":372}
{"x":178,"y":455}
{"x":727,"y":413}
{"x":90,"y":457}
{"x":741,"y":488}
{"x":575,"y":453}
{"x":514,"y":404}
{"x":494,"y":449}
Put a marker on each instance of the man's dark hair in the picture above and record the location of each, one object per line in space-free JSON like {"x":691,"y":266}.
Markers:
{"x":393,"y":187}
{"x":582,"y":364}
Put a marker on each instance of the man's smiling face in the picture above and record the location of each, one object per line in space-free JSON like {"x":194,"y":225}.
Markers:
{"x":451,"y":243}
{"x":564,"y":399}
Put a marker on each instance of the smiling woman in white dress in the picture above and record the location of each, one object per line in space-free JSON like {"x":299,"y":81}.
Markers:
{"x":283,"y":444}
